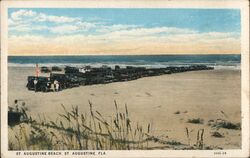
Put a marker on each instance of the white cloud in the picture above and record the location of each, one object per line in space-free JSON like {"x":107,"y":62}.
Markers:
{"x":117,"y":27}
{"x":85,"y":25}
{"x":29,"y":15}
{"x":95,"y":44}
{"x":193,"y":37}
{"x":27,"y":28}
{"x":11,"y":22}
{"x":57,"y":19}
{"x":70,"y":28}
{"x":20,"y":28}
{"x":18,"y":15}
{"x":156,"y":31}
{"x":64,"y":29}
{"x":27,"y":21}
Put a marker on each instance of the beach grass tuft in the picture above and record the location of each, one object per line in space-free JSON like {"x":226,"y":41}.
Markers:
{"x":219,"y":123}
{"x":217,"y":134}
{"x":177,"y":112}
{"x":196,"y":121}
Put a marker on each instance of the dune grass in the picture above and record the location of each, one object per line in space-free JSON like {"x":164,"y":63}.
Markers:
{"x":217,"y":134}
{"x":196,"y":121}
{"x":92,"y":131}
{"x":220,"y":123}
{"x":77,"y":131}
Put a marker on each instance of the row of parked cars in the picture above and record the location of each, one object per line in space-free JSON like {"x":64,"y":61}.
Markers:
{"x":45,"y":69}
{"x":74,"y":77}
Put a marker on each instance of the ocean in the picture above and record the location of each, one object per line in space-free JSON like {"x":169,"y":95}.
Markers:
{"x":153,"y":61}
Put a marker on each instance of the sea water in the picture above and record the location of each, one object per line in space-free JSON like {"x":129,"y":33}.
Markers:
{"x":152,"y":61}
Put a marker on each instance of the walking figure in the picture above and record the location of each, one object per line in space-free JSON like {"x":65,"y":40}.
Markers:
{"x":16,"y":106}
{"x":56,"y":84}
{"x":35,"y":84}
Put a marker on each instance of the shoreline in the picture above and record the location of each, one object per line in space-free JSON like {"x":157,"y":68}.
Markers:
{"x":216,"y":67}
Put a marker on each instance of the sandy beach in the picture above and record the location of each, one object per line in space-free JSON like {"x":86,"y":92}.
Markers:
{"x":209,"y":95}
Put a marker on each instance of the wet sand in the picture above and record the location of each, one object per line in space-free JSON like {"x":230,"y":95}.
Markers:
{"x":208,"y":95}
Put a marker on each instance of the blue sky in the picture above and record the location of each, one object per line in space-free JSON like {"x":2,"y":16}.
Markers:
{"x":202,"y":20}
{"x":101,"y":23}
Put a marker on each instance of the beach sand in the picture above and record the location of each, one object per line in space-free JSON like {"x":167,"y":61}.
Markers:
{"x":213,"y":94}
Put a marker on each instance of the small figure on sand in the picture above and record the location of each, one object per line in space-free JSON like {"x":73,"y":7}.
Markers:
{"x":16,"y":106}
{"x":48,"y":83}
{"x":35,"y":84}
{"x":56,"y":84}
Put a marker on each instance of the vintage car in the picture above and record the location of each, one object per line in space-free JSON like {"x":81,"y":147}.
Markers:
{"x":14,"y":117}
{"x":61,"y":78}
{"x":45,"y":69}
{"x":56,"y":68}
{"x":70,"y":69}
{"x":43,"y":83}
{"x":68,"y":80}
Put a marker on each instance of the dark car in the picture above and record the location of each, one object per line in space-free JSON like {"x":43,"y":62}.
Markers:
{"x":45,"y":69}
{"x":43,"y":83}
{"x":68,"y":80}
{"x":73,"y":80}
{"x":56,"y":68}
{"x":61,"y":78}
{"x":69,"y":69}
{"x":14,"y":118}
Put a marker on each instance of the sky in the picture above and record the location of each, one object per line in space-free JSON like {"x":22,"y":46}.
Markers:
{"x":86,"y":31}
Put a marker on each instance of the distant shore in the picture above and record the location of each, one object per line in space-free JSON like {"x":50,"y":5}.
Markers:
{"x":166,"y":101}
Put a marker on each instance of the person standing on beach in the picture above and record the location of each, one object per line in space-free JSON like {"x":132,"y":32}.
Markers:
{"x":16,"y":106}
{"x":35,"y":84}
{"x":48,"y":83}
{"x":36,"y":78}
{"x":56,"y":83}
{"x":57,"y":86}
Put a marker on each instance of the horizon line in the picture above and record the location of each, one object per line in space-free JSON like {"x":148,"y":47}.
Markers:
{"x":116,"y":54}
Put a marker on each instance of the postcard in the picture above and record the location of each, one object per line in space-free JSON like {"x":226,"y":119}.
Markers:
{"x":124,"y":79}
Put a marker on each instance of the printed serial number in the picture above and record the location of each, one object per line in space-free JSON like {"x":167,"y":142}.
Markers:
{"x":220,"y":153}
